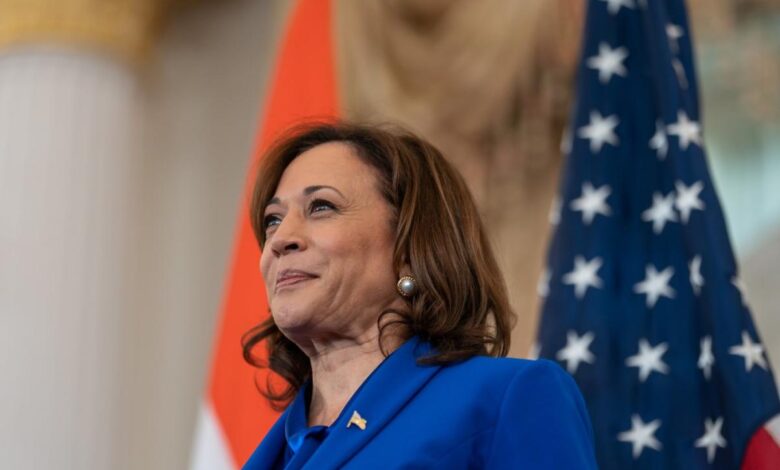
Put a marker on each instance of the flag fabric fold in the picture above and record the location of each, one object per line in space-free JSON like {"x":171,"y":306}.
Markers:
{"x":642,"y":299}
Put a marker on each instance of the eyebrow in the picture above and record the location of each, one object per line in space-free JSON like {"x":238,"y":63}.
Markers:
{"x":307,"y":191}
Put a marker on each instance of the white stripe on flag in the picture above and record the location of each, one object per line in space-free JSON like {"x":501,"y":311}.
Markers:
{"x":210,"y":451}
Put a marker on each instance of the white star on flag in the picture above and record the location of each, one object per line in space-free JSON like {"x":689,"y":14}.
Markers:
{"x":697,"y":281}
{"x":641,"y":435}
{"x":688,"y":198}
{"x":576,"y":350}
{"x":609,"y":62}
{"x":706,"y":359}
{"x":673,"y":33}
{"x":600,"y":130}
{"x":687,"y":131}
{"x":737,"y":282}
{"x":613,"y":6}
{"x":712,"y":438}
{"x":679,"y":70}
{"x":660,"y":212}
{"x":658,"y":142}
{"x":555,"y":211}
{"x":752,"y":352}
{"x":649,"y":359}
{"x":543,"y":286}
{"x":655,"y":285}
{"x":584,"y":275}
{"x":592,"y":202}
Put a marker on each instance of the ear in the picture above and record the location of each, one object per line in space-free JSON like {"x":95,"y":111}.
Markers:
{"x":405,"y":269}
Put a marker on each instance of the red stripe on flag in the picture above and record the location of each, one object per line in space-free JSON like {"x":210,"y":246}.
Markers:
{"x":303,"y":86}
{"x":763,"y":452}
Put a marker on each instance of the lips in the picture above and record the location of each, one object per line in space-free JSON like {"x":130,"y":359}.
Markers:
{"x":290,"y":277}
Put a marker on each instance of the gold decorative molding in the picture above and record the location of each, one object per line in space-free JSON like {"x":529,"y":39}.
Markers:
{"x":127,"y":28}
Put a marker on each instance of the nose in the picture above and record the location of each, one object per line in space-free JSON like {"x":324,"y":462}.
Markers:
{"x":288,"y":237}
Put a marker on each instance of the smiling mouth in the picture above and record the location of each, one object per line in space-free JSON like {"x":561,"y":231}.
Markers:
{"x":292,"y":279}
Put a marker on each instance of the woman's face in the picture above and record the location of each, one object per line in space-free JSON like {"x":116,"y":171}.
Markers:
{"x":327,"y":261}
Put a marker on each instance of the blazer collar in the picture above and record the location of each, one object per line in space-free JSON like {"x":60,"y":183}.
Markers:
{"x":386,"y":390}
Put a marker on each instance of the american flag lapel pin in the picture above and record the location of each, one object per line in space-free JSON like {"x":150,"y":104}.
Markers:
{"x":357,"y":420}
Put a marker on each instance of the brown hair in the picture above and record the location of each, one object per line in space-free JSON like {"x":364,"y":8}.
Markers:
{"x":461,"y":306}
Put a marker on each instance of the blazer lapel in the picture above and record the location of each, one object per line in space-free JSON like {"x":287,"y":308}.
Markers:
{"x":384,"y":393}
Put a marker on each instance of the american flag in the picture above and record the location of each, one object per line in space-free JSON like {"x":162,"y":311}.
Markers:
{"x":642,"y":300}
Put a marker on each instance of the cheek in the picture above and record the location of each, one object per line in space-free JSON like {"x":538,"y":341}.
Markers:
{"x":372,"y":254}
{"x":354,"y":244}
{"x":265,"y":266}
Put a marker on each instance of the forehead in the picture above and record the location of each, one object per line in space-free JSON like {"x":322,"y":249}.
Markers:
{"x":333,"y":163}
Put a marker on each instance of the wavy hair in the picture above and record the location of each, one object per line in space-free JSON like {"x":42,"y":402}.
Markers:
{"x":461,"y":307}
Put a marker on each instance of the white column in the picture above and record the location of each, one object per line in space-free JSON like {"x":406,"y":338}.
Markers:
{"x":69,"y":142}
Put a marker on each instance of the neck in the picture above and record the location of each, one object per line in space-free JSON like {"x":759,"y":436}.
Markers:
{"x":338,"y":369}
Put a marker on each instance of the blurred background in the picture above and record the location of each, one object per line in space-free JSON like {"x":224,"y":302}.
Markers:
{"x":126,"y":131}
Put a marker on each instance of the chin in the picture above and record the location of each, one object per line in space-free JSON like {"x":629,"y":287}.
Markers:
{"x":289,"y":319}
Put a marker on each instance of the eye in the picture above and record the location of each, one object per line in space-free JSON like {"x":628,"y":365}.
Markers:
{"x":271,"y":220}
{"x":320,"y":205}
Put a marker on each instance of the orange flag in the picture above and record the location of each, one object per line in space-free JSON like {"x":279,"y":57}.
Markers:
{"x":234,"y":417}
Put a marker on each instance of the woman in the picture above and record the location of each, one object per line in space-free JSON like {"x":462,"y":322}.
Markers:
{"x":386,"y":305}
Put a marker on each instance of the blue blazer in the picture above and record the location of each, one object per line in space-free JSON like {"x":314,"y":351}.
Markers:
{"x":480,"y":413}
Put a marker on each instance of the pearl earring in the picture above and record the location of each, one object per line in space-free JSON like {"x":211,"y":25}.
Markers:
{"x":407,"y":286}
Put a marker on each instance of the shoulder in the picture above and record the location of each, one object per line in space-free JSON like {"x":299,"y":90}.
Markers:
{"x":544,"y":387}
{"x":536,"y":383}
{"x":535,"y":409}
{"x":540,"y":415}
{"x":495,"y":385}
{"x":539,"y":374}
